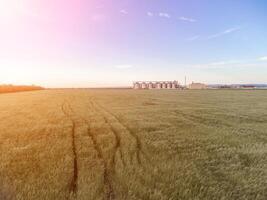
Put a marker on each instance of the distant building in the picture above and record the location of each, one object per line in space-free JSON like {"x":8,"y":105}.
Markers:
{"x":197,"y":86}
{"x":248,"y":86}
{"x":156,"y":85}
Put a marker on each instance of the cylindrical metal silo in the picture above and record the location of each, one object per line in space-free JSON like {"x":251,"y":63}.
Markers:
{"x":150,"y":85}
{"x":144,"y":85}
{"x":136,"y":85}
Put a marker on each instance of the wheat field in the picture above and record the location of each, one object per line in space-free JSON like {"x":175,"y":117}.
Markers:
{"x":130,"y":144}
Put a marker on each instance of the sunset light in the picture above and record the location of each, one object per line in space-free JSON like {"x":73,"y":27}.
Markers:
{"x":93,"y":39}
{"x":133,"y":99}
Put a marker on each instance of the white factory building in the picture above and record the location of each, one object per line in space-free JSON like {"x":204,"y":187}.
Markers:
{"x":156,"y":85}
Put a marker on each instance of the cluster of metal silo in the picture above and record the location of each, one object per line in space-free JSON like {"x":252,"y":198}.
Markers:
{"x":156,"y":85}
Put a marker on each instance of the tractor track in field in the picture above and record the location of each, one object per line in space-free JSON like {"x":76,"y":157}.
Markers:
{"x":108,"y":170}
{"x":108,"y":189}
{"x":67,"y":110}
{"x":108,"y":165}
{"x":117,"y":147}
{"x":139,"y":150}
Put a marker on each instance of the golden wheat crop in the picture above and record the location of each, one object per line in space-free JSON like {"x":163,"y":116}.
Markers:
{"x":128,"y":144}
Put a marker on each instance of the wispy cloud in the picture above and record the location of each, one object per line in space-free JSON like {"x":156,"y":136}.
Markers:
{"x":150,"y":14}
{"x":165,"y":15}
{"x":193,"y":38}
{"x":263,"y":58}
{"x":186,"y":19}
{"x":125,"y":12}
{"x":123,"y":66}
{"x":225,"y":32}
{"x":230,"y":64}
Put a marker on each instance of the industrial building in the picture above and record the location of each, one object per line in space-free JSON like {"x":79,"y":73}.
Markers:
{"x":197,"y":86}
{"x":156,"y":85}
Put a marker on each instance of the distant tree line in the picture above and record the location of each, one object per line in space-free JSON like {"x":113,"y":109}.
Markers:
{"x":18,"y":88}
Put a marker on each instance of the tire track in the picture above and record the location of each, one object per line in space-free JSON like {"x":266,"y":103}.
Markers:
{"x":117,"y":140}
{"x":139,"y":150}
{"x":109,"y":164}
{"x":108,"y":189}
{"x":66,"y":109}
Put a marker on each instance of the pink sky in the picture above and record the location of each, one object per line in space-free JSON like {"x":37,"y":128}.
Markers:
{"x":37,"y":37}
{"x":89,"y":43}
{"x":38,"y":28}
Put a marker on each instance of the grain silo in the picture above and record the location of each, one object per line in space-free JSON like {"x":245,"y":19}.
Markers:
{"x":158,"y":85}
{"x":164,"y":85}
{"x":144,"y":85}
{"x":150,"y":85}
{"x":136,"y":85}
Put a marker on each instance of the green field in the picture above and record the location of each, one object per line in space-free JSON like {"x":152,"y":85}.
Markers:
{"x":133,"y":144}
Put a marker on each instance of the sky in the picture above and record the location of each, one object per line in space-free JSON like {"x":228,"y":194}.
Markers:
{"x":104,"y":43}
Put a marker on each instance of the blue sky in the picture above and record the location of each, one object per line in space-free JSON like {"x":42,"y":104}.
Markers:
{"x":103,"y":43}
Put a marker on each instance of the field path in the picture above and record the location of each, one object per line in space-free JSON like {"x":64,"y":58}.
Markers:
{"x":68,"y":112}
{"x":108,"y":189}
{"x":117,"y":135}
{"x":108,"y":163}
{"x":127,"y":144}
{"x":111,"y":119}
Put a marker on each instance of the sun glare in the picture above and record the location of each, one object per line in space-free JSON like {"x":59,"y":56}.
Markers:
{"x":7,"y":8}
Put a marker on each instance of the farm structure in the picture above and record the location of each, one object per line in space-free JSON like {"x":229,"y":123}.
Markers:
{"x":156,"y":85}
{"x":197,"y":86}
